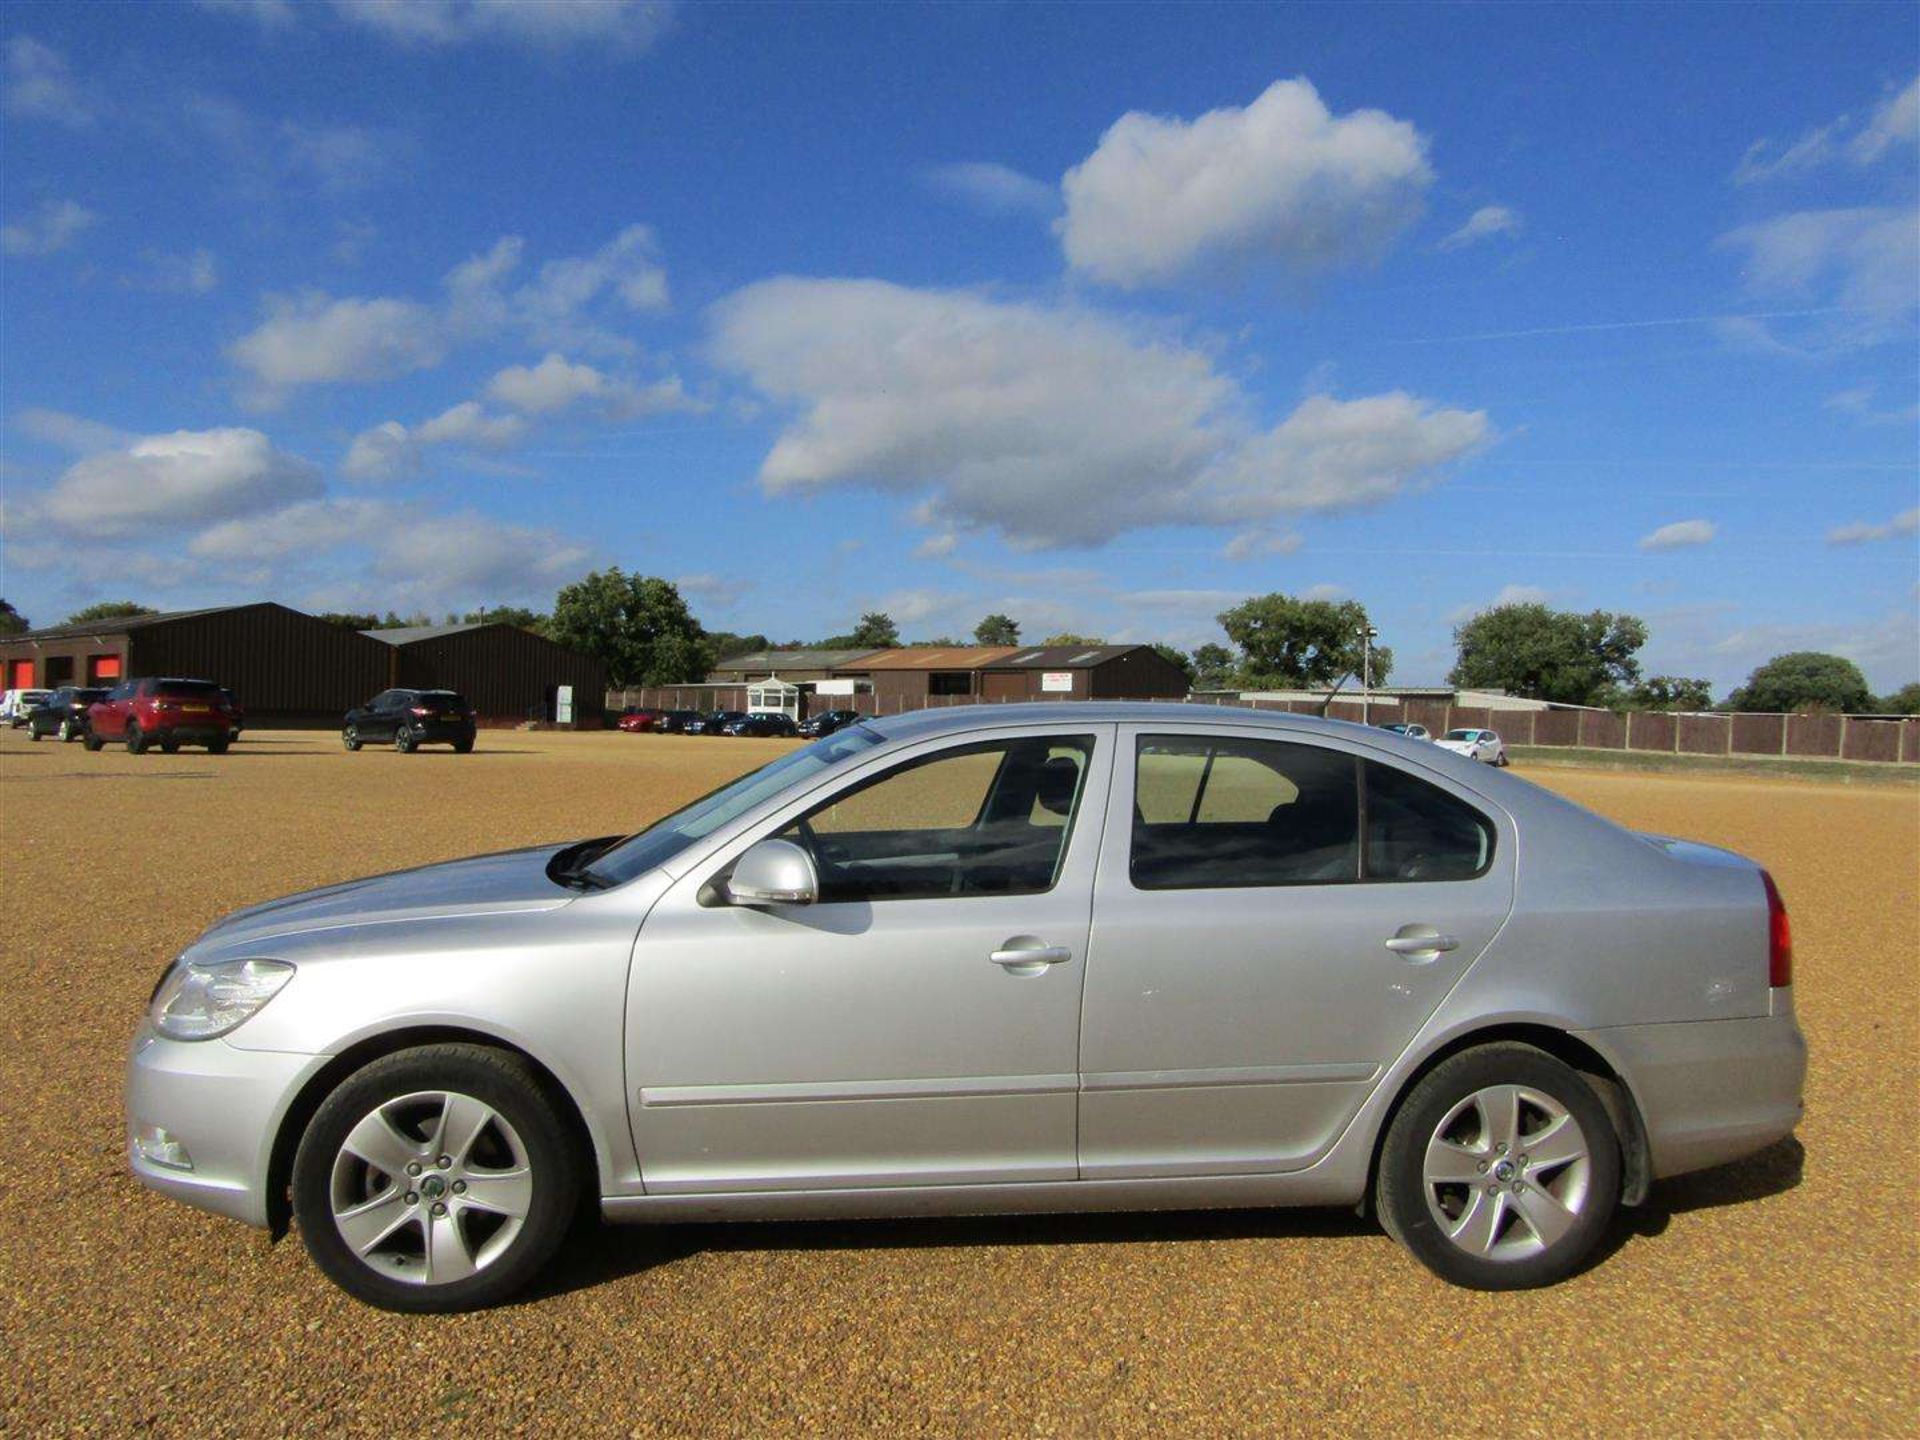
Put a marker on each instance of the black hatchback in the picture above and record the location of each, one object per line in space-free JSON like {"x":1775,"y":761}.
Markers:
{"x":63,"y":713}
{"x":409,"y":719}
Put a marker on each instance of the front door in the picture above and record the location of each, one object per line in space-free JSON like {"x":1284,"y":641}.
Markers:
{"x":1259,"y":950}
{"x":919,"y":1024}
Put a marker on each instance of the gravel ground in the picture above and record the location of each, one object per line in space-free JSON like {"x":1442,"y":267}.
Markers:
{"x":1773,"y":1297}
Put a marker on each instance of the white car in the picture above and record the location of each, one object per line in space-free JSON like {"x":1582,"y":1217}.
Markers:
{"x":1412,"y":732}
{"x":1481,"y":745}
{"x":15,"y":704}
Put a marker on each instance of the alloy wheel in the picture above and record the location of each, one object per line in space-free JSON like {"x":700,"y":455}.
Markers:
{"x":431,"y":1188}
{"x":1507,"y":1172}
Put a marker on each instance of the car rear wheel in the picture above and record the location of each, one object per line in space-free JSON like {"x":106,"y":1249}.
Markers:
{"x":350,"y":737}
{"x":436,"y":1179}
{"x":1501,"y":1169}
{"x":171,"y":747}
{"x":32,"y":733}
{"x":218,"y":747}
{"x":404,"y":741}
{"x":463,"y":747}
{"x":136,"y":742}
{"x":92,"y":741}
{"x":67,"y":733}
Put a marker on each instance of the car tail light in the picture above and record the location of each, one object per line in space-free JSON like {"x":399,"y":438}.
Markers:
{"x":1779,"y":936}
{"x":421,"y":710}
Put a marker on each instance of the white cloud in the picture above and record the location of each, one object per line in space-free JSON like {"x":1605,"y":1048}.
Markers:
{"x":393,"y":449}
{"x":937,"y":547}
{"x":720,"y":592}
{"x":47,"y":229}
{"x":1251,"y":544}
{"x":1054,"y":426}
{"x":1885,"y":648}
{"x":994,"y":188}
{"x":1860,"y":532}
{"x":1509,"y":595}
{"x":41,"y":86}
{"x":342,"y":158}
{"x":307,"y":528}
{"x":1484,"y":224}
{"x":267,"y":14}
{"x":1865,"y":261}
{"x":1894,"y":121}
{"x":1281,"y":180}
{"x":312,"y":340}
{"x":556,"y":384}
{"x":1679,"y":535}
{"x":630,"y":25}
{"x":72,"y":433}
{"x":184,"y":478}
{"x":1859,"y":401}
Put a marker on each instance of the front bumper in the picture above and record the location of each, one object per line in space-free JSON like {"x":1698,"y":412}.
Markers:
{"x":1711,"y":1091}
{"x":224,"y":1105}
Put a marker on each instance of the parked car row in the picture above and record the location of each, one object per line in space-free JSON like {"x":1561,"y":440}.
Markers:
{"x":1482,"y":745}
{"x":733,"y":722}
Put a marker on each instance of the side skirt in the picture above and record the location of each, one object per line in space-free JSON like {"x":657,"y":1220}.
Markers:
{"x":1319,"y":1186}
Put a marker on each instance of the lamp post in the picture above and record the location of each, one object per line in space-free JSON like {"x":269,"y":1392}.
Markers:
{"x":1367,"y":636}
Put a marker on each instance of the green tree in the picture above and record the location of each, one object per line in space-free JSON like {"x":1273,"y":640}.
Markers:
{"x":1904,"y":701}
{"x":876,"y":631}
{"x":507,"y":615}
{"x":12,"y":622}
{"x":350,"y":620}
{"x":1544,"y":654}
{"x":1804,"y":680}
{"x":997,"y":629}
{"x":1291,"y":643}
{"x":1670,"y":692}
{"x":110,"y":610}
{"x":1176,"y":657}
{"x":726,"y":644}
{"x":1212,"y":666}
{"x":637,"y":625}
{"x":1069,"y":638}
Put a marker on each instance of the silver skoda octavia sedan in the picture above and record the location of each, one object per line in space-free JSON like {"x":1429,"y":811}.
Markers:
{"x":1020,"y":958}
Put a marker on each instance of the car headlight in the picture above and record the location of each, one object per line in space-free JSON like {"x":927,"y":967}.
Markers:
{"x":199,"y":1002}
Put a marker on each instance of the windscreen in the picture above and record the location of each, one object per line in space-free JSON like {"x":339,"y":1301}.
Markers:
{"x":666,"y":838}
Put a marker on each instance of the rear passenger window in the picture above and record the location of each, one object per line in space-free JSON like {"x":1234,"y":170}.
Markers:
{"x":1215,"y":813}
{"x":1416,"y":831}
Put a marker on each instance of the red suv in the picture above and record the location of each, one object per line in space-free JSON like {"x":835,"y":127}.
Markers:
{"x":167,"y":713}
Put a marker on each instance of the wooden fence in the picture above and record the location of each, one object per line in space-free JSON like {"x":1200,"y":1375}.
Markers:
{"x":1884,"y":739}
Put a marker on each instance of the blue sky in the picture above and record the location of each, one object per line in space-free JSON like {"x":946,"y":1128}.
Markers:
{"x":1103,"y":316}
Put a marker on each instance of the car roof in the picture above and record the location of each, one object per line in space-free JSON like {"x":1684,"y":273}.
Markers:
{"x":919,"y":724}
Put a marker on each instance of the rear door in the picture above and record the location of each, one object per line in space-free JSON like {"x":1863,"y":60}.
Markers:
{"x":1242,"y":993}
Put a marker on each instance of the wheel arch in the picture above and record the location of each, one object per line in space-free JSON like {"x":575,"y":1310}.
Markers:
{"x":1615,"y":1094}
{"x":294,"y":1121}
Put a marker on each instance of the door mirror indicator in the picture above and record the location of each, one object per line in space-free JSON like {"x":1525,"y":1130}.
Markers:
{"x":773,"y":872}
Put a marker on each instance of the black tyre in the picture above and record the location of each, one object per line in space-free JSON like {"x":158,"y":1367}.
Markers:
{"x":404,"y":741}
{"x":32,"y":734}
{"x":92,"y":741}
{"x":136,"y":741}
{"x":68,"y":734}
{"x":1501,"y":1169}
{"x":218,"y":747}
{"x":436,"y":1179}
{"x":350,"y":737}
{"x":463,"y":747}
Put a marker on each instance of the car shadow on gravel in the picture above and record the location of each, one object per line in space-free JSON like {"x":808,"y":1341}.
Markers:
{"x":1772,"y":1171}
{"x":596,"y":1255}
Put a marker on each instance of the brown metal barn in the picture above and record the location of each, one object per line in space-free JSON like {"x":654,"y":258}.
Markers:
{"x":507,"y":674}
{"x":285,"y":667}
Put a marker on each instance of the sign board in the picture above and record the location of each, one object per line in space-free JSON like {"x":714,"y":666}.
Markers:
{"x":833,"y":687}
{"x":1057,"y":681}
{"x":563,"y":705}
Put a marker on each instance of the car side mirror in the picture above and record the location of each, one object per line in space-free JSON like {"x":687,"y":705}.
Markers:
{"x":773,"y":872}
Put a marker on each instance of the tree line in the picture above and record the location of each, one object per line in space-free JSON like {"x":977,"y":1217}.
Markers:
{"x":641,"y":628}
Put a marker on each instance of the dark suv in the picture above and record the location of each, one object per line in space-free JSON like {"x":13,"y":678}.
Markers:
{"x":410,"y":719}
{"x":828,"y":721}
{"x":167,"y":713}
{"x":63,"y":713}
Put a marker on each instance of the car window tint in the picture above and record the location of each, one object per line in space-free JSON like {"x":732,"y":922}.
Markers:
{"x":1416,"y":831}
{"x":985,"y":819}
{"x":1283,"y":814}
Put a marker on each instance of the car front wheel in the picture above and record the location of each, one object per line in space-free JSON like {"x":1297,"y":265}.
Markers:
{"x":136,"y":742}
{"x":1501,"y":1169}
{"x":350,"y":737}
{"x":439,"y":1178}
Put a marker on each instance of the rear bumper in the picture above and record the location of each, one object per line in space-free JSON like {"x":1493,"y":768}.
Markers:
{"x":1714,"y":1090}
{"x":187,"y":734}
{"x":223,"y":1105}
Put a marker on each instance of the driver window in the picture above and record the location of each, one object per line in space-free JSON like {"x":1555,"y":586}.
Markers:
{"x":985,"y":819}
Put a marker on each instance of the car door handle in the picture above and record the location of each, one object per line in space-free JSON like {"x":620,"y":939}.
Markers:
{"x":1031,"y":959}
{"x":1421,"y":940}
